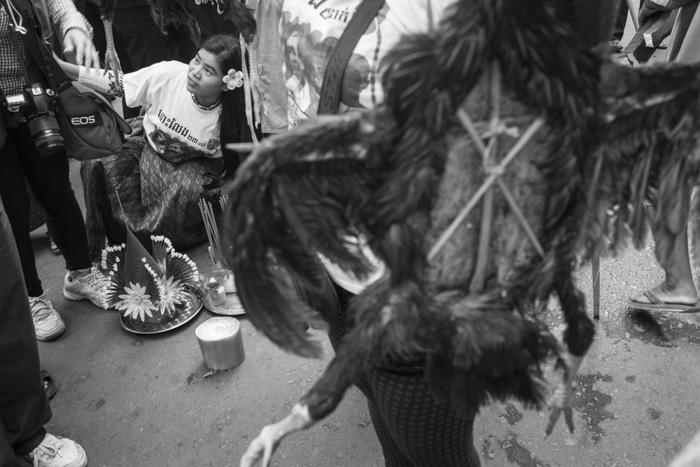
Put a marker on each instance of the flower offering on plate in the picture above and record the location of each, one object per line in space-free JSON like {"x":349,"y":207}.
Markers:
{"x":153,"y":293}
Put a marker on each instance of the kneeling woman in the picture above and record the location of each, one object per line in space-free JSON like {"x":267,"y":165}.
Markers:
{"x":191,"y":112}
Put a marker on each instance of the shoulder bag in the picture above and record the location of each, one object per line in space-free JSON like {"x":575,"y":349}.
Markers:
{"x":90,"y":126}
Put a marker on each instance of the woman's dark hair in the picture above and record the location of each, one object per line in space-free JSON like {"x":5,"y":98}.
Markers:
{"x":233,"y":125}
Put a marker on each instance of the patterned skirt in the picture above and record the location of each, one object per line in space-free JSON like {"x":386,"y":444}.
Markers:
{"x":139,"y":189}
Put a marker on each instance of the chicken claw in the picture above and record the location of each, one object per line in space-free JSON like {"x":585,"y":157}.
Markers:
{"x":562,"y":400}
{"x":111,"y":59}
{"x":112,"y":62}
{"x":270,"y":436}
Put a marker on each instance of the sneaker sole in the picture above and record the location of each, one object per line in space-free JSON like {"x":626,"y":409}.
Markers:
{"x":81,"y":461}
{"x":51,"y":337}
{"x":77,"y":298}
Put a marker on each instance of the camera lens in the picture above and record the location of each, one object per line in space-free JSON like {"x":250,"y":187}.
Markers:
{"x":46,"y":134}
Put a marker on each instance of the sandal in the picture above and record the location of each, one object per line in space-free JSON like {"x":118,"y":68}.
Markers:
{"x":50,"y":385}
{"x":655,"y":304}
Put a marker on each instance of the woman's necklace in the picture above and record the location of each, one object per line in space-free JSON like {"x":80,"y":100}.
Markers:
{"x":205,"y":107}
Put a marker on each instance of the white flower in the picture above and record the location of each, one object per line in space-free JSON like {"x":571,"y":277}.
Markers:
{"x":233,"y":79}
{"x":136,"y":302}
{"x":170,"y":294}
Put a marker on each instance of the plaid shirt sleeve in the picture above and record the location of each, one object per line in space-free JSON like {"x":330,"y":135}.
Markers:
{"x":64,"y":14}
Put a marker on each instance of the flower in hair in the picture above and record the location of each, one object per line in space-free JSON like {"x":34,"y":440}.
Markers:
{"x":233,"y":79}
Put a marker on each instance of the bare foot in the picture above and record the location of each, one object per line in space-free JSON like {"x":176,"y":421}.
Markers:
{"x":682,"y":294}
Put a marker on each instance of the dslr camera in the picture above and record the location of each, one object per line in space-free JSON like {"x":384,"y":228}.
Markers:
{"x":36,"y":104}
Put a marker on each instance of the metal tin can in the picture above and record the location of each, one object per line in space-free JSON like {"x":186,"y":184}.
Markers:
{"x":221,"y":343}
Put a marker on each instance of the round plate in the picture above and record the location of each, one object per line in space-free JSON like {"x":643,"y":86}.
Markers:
{"x":188,"y":310}
{"x":232,"y":307}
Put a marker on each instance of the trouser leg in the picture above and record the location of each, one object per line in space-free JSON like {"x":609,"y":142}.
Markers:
{"x":49,"y":177}
{"x":13,"y":192}
{"x":620,"y":21}
{"x":24,"y":407}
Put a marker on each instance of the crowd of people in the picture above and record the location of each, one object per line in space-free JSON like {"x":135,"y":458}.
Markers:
{"x":186,"y":102}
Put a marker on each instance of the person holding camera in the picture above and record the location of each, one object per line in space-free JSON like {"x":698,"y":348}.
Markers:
{"x":33,"y":150}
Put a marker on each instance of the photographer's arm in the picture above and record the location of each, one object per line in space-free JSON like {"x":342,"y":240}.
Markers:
{"x":96,"y":79}
{"x":76,"y":32}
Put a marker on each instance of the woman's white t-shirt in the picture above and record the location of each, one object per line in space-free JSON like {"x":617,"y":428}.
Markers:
{"x":177,"y":128}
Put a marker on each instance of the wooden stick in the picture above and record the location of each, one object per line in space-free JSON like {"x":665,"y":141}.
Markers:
{"x":521,"y":217}
{"x":468,"y":124}
{"x":214,"y":231}
{"x":210,"y":227}
{"x":480,"y":270}
{"x":211,"y":256}
{"x":595,"y":272}
{"x":206,"y":224}
{"x":529,"y":133}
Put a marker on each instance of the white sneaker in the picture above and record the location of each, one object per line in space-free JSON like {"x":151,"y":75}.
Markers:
{"x":55,"y":451}
{"x":89,"y":287}
{"x":47,"y":322}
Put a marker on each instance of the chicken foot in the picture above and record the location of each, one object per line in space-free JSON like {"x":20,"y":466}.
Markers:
{"x":563,"y":397}
{"x":111,"y":59}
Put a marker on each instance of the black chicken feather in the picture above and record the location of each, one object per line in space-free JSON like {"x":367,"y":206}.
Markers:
{"x":405,"y":168}
{"x":178,"y":13}
{"x":290,"y":210}
{"x":594,"y":171}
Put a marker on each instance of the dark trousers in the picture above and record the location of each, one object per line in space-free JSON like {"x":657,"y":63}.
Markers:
{"x":620,"y":21}
{"x":49,"y":179}
{"x":24,"y":407}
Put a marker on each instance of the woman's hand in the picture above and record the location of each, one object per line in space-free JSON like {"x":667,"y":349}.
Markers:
{"x":76,"y":41}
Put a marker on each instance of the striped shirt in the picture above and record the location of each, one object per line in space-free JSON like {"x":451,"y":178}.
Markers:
{"x":63,"y":14}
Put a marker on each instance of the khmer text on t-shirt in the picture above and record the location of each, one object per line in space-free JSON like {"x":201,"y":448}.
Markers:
{"x":177,"y":128}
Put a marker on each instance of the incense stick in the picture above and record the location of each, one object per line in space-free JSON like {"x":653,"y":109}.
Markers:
{"x":212,"y":229}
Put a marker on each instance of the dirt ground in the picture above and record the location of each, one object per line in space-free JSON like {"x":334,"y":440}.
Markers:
{"x":134,"y":400}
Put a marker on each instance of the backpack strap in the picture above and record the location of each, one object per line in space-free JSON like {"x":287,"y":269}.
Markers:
{"x":340,"y":56}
